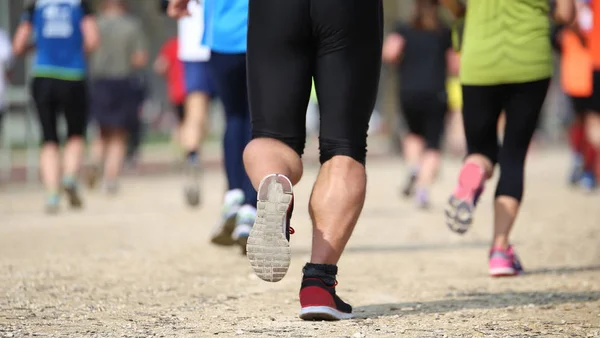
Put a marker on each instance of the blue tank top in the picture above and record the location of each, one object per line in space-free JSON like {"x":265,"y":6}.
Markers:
{"x":58,"y":38}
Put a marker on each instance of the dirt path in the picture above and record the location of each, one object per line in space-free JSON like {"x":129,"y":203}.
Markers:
{"x":140,"y":265}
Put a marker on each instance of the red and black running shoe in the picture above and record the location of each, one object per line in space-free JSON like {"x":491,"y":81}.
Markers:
{"x":320,"y":302}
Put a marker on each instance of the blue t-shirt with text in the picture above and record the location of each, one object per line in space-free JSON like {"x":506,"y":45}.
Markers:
{"x":58,"y":38}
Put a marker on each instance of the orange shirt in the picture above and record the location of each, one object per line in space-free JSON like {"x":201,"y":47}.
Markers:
{"x":576,"y":66}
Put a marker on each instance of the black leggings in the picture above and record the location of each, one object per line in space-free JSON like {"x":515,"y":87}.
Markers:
{"x":522,"y":103}
{"x":338,"y":42}
{"x":53,"y":96}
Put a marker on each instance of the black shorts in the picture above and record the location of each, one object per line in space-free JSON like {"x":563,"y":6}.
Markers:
{"x":582,"y":105}
{"x":425,"y":114}
{"x":53,"y":96}
{"x":115,"y":103}
{"x":338,"y":42}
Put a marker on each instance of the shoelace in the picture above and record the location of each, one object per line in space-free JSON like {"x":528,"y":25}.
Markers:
{"x":291,"y":231}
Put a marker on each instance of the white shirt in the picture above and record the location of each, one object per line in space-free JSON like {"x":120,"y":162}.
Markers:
{"x":5,"y":57}
{"x":585,"y":18}
{"x":190,"y":31}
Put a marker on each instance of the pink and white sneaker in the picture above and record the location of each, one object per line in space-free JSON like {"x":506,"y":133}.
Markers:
{"x":504,"y":262}
{"x":462,"y":202}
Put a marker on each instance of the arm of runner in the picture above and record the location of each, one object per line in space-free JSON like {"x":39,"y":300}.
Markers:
{"x":555,"y":37}
{"x":89,"y":29}
{"x":23,"y":32}
{"x":393,"y":47}
{"x":178,"y":8}
{"x":161,"y":64}
{"x":456,"y":7}
{"x":452,"y":60}
{"x":139,"y":55}
{"x":394,"y":44}
{"x":564,"y":11}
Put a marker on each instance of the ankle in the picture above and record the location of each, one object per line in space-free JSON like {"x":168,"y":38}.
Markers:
{"x":500,"y":243}
{"x":324,"y":272}
{"x":192,"y":156}
{"x":69,"y":181}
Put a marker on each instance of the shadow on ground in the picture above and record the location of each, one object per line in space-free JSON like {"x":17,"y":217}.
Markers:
{"x":382,"y":248}
{"x":563,"y":270}
{"x":475,"y":301}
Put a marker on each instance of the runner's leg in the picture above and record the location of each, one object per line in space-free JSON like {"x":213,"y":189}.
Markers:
{"x":74,"y":102}
{"x":434,"y":115}
{"x":229,"y":74}
{"x":481,"y":110}
{"x":280,"y":70}
{"x":523,"y":106}
{"x":413,"y":144}
{"x":47,"y":106}
{"x":199,"y":90}
{"x":346,"y":79}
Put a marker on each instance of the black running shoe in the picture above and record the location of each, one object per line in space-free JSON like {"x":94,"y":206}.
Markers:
{"x":409,"y":186}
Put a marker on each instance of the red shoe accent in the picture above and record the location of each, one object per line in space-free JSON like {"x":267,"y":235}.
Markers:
{"x":316,"y":296}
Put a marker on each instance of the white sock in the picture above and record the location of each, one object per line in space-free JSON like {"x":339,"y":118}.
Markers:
{"x":233,"y":197}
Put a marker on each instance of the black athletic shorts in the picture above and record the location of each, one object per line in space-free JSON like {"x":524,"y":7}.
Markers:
{"x":582,"y":105}
{"x":338,"y":42}
{"x":54,"y":96}
{"x":425,"y":115}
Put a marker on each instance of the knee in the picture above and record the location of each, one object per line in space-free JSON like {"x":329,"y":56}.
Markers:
{"x":78,"y":134}
{"x":263,"y":155}
{"x":50,"y":138}
{"x":329,"y":149}
{"x":49,"y":142}
{"x":488,"y":152}
{"x":293,"y":142}
{"x":433,"y":144}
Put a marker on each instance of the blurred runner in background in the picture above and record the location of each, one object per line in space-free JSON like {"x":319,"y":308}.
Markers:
{"x":502,"y":68}
{"x":167,"y":64}
{"x":422,"y":48}
{"x":116,"y":91}
{"x":200,"y":90}
{"x":592,"y":121}
{"x":577,"y":81}
{"x":64,"y":31}
{"x":225,"y":35}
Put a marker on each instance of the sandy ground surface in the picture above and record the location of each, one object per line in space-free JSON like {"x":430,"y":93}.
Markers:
{"x":140,"y":265}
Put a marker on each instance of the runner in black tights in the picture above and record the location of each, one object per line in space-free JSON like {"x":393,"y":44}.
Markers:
{"x":338,"y":42}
